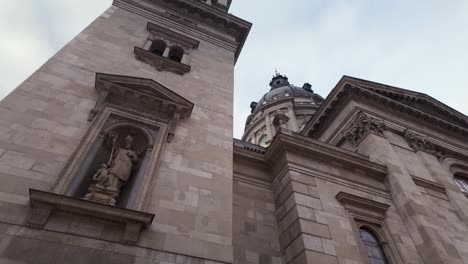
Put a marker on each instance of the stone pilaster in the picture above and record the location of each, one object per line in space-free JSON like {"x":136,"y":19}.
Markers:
{"x":443,"y":176}
{"x":302,"y":239}
{"x":412,"y":206}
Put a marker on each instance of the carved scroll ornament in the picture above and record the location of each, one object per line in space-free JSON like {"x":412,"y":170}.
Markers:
{"x":362,"y":126}
{"x":419,"y":142}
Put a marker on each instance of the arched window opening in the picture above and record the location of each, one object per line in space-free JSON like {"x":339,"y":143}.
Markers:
{"x":176,"y":54}
{"x":462,"y":182}
{"x":262,"y":141}
{"x":372,"y":246}
{"x":158,"y":47}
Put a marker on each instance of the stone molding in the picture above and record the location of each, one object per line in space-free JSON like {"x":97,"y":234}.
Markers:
{"x":370,"y":214}
{"x":361,"y":206}
{"x":44,"y":203}
{"x":197,"y":12}
{"x":167,"y":34}
{"x":362,"y":126}
{"x":419,"y":142}
{"x":259,"y":160}
{"x":249,"y":146}
{"x":141,"y":95}
{"x":428,"y":184}
{"x":362,"y":90}
{"x":323,"y":151}
{"x":161,"y":63}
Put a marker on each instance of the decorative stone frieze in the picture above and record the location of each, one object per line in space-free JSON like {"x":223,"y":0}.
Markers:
{"x":44,"y":203}
{"x":362,"y":126}
{"x":161,"y":63}
{"x":420,"y":142}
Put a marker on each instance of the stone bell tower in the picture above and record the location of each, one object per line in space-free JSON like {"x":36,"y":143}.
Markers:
{"x":119,"y":148}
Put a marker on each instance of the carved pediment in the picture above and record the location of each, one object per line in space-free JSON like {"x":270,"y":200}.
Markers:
{"x":139,"y":94}
{"x":422,"y":102}
{"x":419,"y":107}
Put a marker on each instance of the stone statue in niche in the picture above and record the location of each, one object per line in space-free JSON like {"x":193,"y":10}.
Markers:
{"x":281,"y":122}
{"x":112,"y":176}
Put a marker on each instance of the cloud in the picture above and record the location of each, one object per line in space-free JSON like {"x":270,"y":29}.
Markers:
{"x":401,"y":43}
{"x":32,"y":31}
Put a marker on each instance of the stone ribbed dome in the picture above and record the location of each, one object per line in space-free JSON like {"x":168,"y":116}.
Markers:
{"x":293,"y":105}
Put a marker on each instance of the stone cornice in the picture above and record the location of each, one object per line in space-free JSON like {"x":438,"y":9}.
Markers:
{"x":239,"y":144}
{"x":44,"y":203}
{"x":173,"y":36}
{"x":362,"y":206}
{"x":200,"y":13}
{"x":161,"y":63}
{"x":349,"y":87}
{"x":141,"y":92}
{"x":318,"y":150}
{"x":428,"y":184}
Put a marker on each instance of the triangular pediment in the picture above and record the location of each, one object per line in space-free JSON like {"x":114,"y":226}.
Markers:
{"x":144,"y":91}
{"x":416,"y":100}
{"x":421,"y":106}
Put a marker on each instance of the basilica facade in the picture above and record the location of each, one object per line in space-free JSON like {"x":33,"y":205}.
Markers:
{"x":119,"y":150}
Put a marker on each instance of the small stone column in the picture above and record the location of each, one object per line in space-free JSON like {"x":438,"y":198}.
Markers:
{"x":185,"y":58}
{"x":166,"y":52}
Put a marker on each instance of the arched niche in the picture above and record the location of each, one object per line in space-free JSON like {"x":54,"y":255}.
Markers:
{"x":102,"y":154}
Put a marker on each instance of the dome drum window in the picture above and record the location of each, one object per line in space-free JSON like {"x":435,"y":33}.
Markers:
{"x":166,"y":50}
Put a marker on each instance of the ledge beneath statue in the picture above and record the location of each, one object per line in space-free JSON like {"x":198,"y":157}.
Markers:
{"x":44,"y":203}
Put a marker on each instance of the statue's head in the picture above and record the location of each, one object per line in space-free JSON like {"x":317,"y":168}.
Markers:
{"x":128,"y":142}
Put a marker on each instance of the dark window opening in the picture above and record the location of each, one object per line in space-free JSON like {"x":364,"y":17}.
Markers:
{"x":176,"y":54}
{"x":462,"y":182}
{"x":158,"y":47}
{"x":373,"y":247}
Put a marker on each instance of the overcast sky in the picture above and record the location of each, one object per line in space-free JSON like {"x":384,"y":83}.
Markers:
{"x":420,"y":45}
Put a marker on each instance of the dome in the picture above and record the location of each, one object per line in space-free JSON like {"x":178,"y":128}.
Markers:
{"x":285,"y":106}
{"x":282,"y":89}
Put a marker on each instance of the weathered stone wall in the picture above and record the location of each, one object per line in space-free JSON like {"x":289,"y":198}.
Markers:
{"x":316,"y":228}
{"x":44,"y":119}
{"x":255,"y":232}
{"x":431,"y":207}
{"x":22,"y":245}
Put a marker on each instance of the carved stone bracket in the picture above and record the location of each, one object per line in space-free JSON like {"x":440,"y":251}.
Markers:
{"x":172,"y":126}
{"x":362,"y":126}
{"x":39,"y":215}
{"x":99,"y":104}
{"x":44,"y":203}
{"x":419,"y":142}
{"x":161,"y":63}
{"x":132,"y":232}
